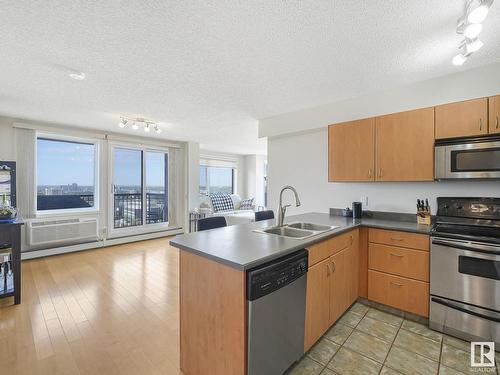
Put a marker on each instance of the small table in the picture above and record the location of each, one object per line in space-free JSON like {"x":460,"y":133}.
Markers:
{"x":10,"y":246}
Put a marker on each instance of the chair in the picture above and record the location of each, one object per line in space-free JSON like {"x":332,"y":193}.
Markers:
{"x":211,"y":223}
{"x":264,"y":215}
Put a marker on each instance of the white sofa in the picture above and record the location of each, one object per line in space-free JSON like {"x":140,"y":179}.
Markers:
{"x":233,"y":217}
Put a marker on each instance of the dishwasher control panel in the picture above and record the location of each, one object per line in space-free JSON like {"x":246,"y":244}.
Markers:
{"x":276,"y":274}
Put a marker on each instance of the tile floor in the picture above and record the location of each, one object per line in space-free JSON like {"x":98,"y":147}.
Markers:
{"x":368,"y":341}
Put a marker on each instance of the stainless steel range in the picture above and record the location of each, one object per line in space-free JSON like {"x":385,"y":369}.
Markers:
{"x":465,"y":269}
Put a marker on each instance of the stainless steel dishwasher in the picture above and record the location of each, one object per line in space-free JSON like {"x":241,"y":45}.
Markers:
{"x":276,"y":296}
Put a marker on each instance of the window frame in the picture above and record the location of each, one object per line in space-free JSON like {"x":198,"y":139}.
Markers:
{"x":233,"y":178}
{"x":68,"y":211}
{"x":138,"y":229}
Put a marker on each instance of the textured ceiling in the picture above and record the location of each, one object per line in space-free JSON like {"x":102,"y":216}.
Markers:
{"x":210,"y":69}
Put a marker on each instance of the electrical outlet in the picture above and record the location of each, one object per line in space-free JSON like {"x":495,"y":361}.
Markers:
{"x":364,"y":201}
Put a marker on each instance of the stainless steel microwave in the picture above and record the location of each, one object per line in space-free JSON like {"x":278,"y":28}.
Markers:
{"x":467,"y":158}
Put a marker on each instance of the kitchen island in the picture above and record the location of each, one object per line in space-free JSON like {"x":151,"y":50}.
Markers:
{"x":213,"y":265}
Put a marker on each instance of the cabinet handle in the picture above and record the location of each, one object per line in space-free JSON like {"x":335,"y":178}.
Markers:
{"x":496,"y":127}
{"x":396,"y":284}
{"x":352,"y":239}
{"x":480,"y":124}
{"x":370,"y":170}
{"x":328,"y":269}
{"x":380,"y":172}
{"x":397,"y":255}
{"x":334,"y":267}
{"x":396,"y":239}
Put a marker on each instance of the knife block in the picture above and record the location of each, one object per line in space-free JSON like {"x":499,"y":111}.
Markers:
{"x":424,"y":216}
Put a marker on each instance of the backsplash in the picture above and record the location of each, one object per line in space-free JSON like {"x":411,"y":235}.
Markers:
{"x":301,"y":161}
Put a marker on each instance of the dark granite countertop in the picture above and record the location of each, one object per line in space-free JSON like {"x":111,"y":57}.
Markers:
{"x":238,"y":246}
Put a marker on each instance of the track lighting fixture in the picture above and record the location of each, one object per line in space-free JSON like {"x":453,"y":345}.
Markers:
{"x":459,"y":59}
{"x":136,"y":122}
{"x":123,"y":123}
{"x":470,"y":26}
{"x":478,"y":10}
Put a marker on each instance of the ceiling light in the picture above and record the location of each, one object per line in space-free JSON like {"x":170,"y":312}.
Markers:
{"x":459,"y":59}
{"x":79,"y":76}
{"x":473,"y":46}
{"x":139,"y":122}
{"x":478,"y":10}
{"x":472,"y":30}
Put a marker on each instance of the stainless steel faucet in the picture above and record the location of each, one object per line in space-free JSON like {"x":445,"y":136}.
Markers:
{"x":282,"y":209}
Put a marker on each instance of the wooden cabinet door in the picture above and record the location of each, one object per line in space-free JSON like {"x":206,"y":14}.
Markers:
{"x":494,"y":114}
{"x":351,"y":151}
{"x":338,"y":287}
{"x":405,"y":146}
{"x":352,"y":266}
{"x":317,"y":302}
{"x":462,"y":119}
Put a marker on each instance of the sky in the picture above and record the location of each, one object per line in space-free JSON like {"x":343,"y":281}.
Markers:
{"x":218,"y":176}
{"x":63,"y":163}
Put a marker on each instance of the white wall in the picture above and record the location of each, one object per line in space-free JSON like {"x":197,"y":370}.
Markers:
{"x":255,"y":177}
{"x":467,"y":84}
{"x":302,"y":161}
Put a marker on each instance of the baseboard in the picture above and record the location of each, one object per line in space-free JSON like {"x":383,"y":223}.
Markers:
{"x":98,"y":244}
{"x":394,"y":311}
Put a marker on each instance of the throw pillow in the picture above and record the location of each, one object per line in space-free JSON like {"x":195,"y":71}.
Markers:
{"x":222,"y":202}
{"x":247,"y":204}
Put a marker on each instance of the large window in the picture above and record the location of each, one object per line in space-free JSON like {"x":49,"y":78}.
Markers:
{"x":140,"y":180}
{"x":66,"y":175}
{"x":216,"y":180}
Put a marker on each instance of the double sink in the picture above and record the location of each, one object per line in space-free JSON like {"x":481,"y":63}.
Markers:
{"x":298,"y":231}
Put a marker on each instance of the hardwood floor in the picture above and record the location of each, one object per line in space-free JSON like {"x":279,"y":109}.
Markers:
{"x":106,"y":311}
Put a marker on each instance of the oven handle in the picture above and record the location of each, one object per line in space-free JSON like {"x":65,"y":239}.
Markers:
{"x":464,"y":310}
{"x":463,"y":247}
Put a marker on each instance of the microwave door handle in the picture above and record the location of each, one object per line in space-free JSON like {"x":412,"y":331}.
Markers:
{"x":464,"y":310}
{"x":464,"y":247}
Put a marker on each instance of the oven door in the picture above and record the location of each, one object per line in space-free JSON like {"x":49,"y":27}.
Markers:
{"x":468,"y":160}
{"x":466,"y":271}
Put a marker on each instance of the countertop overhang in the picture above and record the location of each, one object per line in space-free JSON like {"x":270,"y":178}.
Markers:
{"x":238,"y":246}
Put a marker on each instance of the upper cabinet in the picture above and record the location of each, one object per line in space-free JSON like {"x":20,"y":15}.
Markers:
{"x":462,"y":119}
{"x":400,"y":146}
{"x":405,"y":146}
{"x":351,"y":151}
{"x":494,"y":114}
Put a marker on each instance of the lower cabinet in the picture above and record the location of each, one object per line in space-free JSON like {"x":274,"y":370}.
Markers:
{"x":398,"y":270}
{"x":395,"y":272}
{"x":399,"y":292}
{"x":332,"y":286}
{"x":317,"y":302}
